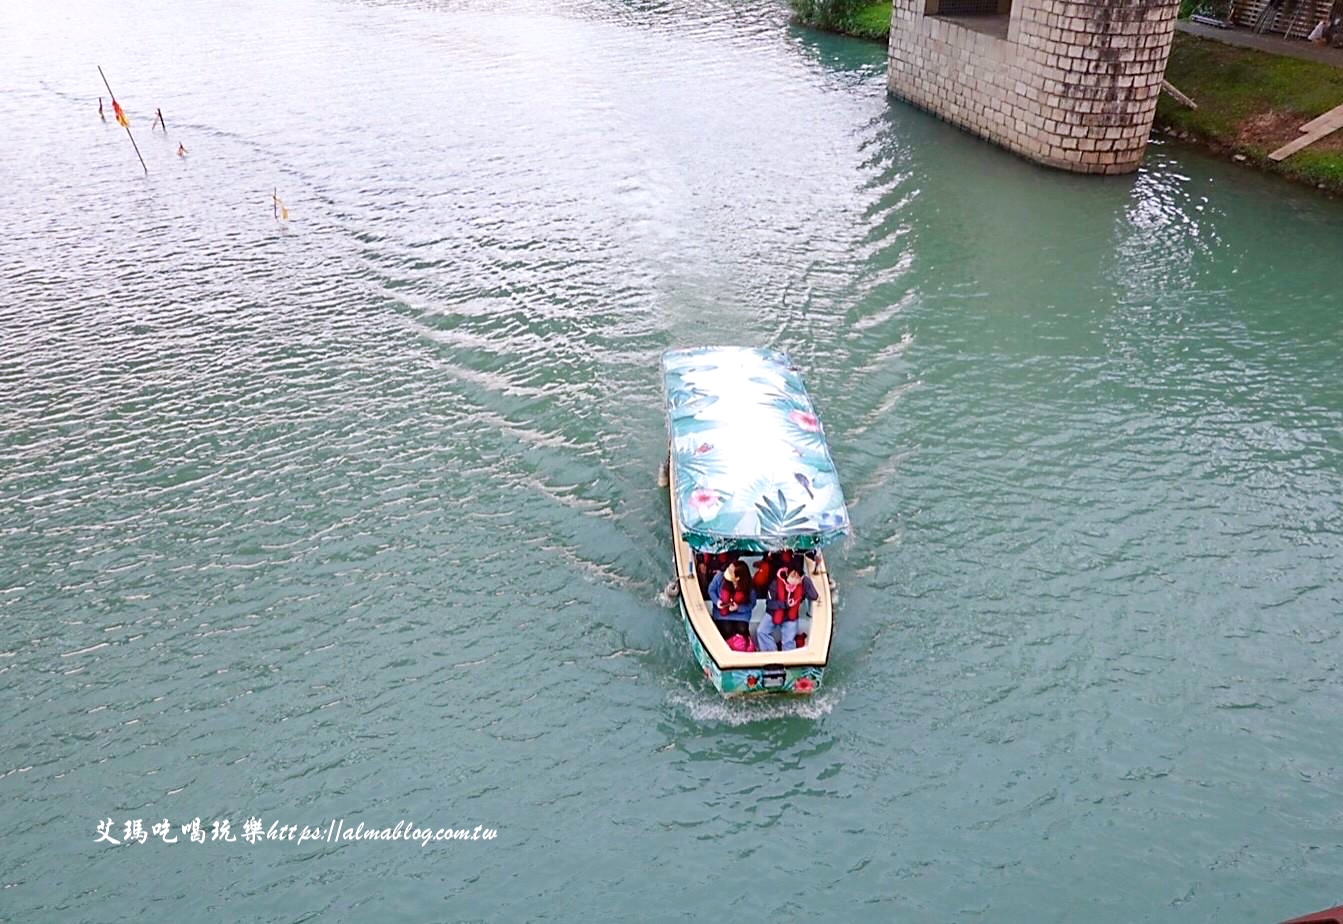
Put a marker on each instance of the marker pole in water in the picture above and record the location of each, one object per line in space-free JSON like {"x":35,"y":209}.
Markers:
{"x":121,"y":117}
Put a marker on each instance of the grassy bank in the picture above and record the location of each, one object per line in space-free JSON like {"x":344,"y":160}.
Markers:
{"x":873,"y":21}
{"x":1251,"y":103}
{"x":858,"y":18}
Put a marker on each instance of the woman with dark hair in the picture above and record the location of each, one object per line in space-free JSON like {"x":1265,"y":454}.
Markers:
{"x":707,"y":564}
{"x":731,"y":599}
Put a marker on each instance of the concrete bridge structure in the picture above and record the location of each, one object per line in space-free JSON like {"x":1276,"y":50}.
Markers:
{"x":1068,"y":83}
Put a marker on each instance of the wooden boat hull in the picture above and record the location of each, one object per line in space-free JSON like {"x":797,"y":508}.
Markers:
{"x":740,"y":673}
{"x":751,"y":681}
{"x":749,"y":472}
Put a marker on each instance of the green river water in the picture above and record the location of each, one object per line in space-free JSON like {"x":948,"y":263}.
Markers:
{"x":354,"y":517}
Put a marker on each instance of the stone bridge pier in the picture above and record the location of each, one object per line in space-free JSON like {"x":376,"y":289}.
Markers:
{"x":1068,"y":83}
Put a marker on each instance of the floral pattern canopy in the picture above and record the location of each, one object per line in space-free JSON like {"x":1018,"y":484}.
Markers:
{"x":753,"y":471}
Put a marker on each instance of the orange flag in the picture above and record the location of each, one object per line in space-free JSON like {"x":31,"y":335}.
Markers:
{"x":121,"y":116}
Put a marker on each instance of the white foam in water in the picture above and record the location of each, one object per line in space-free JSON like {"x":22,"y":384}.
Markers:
{"x":708,"y":705}
{"x":667,"y":596}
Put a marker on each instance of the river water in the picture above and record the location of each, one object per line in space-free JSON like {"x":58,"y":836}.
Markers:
{"x":354,"y":516}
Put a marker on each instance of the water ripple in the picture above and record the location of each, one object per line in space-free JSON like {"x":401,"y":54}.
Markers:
{"x":355,"y":515}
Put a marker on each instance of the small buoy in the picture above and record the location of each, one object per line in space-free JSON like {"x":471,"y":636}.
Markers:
{"x":663,"y":475}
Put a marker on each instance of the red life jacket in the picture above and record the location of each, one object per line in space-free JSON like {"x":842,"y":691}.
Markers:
{"x":727,"y":595}
{"x":791,"y":597}
{"x":763,"y":572}
{"x":769,"y":566}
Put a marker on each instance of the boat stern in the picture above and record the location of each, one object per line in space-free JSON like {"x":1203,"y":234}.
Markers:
{"x":752,"y":681}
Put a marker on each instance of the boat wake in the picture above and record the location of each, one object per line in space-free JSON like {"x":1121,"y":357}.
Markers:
{"x":710,"y":706}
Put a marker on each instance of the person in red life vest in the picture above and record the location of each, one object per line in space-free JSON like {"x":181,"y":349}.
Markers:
{"x":707,"y":564}
{"x":732,"y":597}
{"x":764,"y":569}
{"x":783,"y":606}
{"x":769,"y":567}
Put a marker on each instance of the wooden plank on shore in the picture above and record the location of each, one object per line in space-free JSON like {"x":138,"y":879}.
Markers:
{"x":1321,"y":119}
{"x":1179,"y":97}
{"x":1327,"y":127}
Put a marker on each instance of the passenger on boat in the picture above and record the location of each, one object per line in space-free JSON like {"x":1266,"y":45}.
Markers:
{"x":732,"y":597}
{"x":783,"y":606}
{"x":770,"y":565}
{"x":707,"y":564}
{"x":764,"y":570}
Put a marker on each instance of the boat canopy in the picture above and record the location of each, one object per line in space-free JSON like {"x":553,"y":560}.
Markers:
{"x":752,"y":469}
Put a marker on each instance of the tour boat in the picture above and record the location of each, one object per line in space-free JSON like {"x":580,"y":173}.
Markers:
{"x":749,"y":472}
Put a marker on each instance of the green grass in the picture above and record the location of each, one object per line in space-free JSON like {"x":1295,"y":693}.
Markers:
{"x":1235,"y":85}
{"x":859,"y":18}
{"x":872,"y":21}
{"x":1318,"y":167}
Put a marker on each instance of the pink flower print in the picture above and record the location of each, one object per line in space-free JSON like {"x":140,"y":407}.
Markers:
{"x":804,"y":420}
{"x":804,"y":685}
{"x":705,"y":503}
